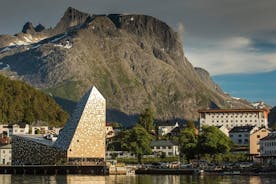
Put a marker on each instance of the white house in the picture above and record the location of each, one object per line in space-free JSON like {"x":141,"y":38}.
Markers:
{"x":164,"y":146}
{"x":268,"y":145}
{"x":6,"y":154}
{"x":241,"y":134}
{"x":17,"y":129}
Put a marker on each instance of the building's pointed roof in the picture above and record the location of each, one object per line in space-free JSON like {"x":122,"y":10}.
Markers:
{"x":66,"y":135}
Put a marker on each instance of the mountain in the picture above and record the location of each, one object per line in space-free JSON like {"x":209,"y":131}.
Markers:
{"x":22,"y":103}
{"x":136,"y":61}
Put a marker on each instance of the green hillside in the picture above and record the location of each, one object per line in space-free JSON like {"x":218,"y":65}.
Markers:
{"x":20,"y":102}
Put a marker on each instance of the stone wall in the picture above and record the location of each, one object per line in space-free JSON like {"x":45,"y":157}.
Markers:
{"x":28,"y":152}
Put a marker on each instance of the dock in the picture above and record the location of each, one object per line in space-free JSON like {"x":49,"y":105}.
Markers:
{"x":55,"y":169}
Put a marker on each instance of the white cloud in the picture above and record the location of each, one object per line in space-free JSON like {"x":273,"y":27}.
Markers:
{"x":232,"y":55}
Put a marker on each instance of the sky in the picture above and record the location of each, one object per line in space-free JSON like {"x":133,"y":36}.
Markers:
{"x":226,"y":37}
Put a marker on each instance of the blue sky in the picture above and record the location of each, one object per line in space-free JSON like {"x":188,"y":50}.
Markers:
{"x":254,"y":87}
{"x":234,"y":40}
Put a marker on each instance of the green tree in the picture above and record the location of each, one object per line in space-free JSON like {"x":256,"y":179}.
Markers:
{"x":213,"y":141}
{"x":146,"y":119}
{"x":188,"y":141}
{"x":137,"y":140}
{"x":191,"y":124}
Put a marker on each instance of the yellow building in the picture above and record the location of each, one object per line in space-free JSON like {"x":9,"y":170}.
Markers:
{"x":254,"y":147}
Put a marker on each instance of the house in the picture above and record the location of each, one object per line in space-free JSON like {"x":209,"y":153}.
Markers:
{"x":109,"y":131}
{"x":18,"y":129}
{"x":164,"y":146}
{"x":166,"y":127}
{"x":255,"y":137}
{"x":6,"y":154}
{"x":230,"y":118}
{"x":249,"y":136}
{"x":4,"y":139}
{"x":240,"y":135}
{"x":268,"y":148}
{"x":4,"y":129}
{"x":39,"y":129}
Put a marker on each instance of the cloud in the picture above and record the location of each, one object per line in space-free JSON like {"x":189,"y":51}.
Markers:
{"x":232,"y":55}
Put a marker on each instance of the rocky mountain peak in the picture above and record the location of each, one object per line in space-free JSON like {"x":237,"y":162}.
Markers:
{"x":71,"y":18}
{"x":28,"y":28}
{"x":39,"y":28}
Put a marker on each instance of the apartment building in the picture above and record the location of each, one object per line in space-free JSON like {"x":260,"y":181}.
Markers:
{"x":231,"y":118}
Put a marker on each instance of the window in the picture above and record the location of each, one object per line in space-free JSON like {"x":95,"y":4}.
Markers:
{"x":240,"y":141}
{"x":240,"y":135}
{"x":245,"y":141}
{"x":258,"y":136}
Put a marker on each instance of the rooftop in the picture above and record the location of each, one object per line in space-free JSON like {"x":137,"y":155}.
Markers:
{"x":231,"y":110}
{"x":7,"y":146}
{"x":37,"y":138}
{"x":237,"y":129}
{"x":271,"y":136}
{"x":162,"y":143}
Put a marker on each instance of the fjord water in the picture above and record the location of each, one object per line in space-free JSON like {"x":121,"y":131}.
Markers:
{"x":138,"y":179}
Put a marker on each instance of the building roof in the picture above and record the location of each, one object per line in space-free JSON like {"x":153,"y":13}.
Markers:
{"x":271,"y":136}
{"x":231,"y":110}
{"x":37,"y":138}
{"x":7,"y":146}
{"x":238,"y":129}
{"x":166,"y":123}
{"x":162,"y":143}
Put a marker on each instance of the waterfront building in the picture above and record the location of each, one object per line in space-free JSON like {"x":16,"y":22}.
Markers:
{"x":6,"y":154}
{"x":240,"y":135}
{"x":82,"y":140}
{"x":268,"y":145}
{"x":247,"y":138}
{"x":233,"y":117}
{"x":255,"y":137}
{"x":166,"y":147}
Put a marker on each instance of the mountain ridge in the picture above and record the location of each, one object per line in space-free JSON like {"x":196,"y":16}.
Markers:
{"x":136,"y":61}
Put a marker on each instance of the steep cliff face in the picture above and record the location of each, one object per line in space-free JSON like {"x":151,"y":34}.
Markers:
{"x":136,"y":61}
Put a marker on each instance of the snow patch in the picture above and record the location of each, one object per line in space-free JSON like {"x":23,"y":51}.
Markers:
{"x":58,"y":38}
{"x":36,"y":46}
{"x":7,"y":67}
{"x":5,"y":49}
{"x":68,"y":45}
{"x":236,"y":98}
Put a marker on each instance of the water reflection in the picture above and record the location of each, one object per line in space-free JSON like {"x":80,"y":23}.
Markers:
{"x":138,"y":179}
